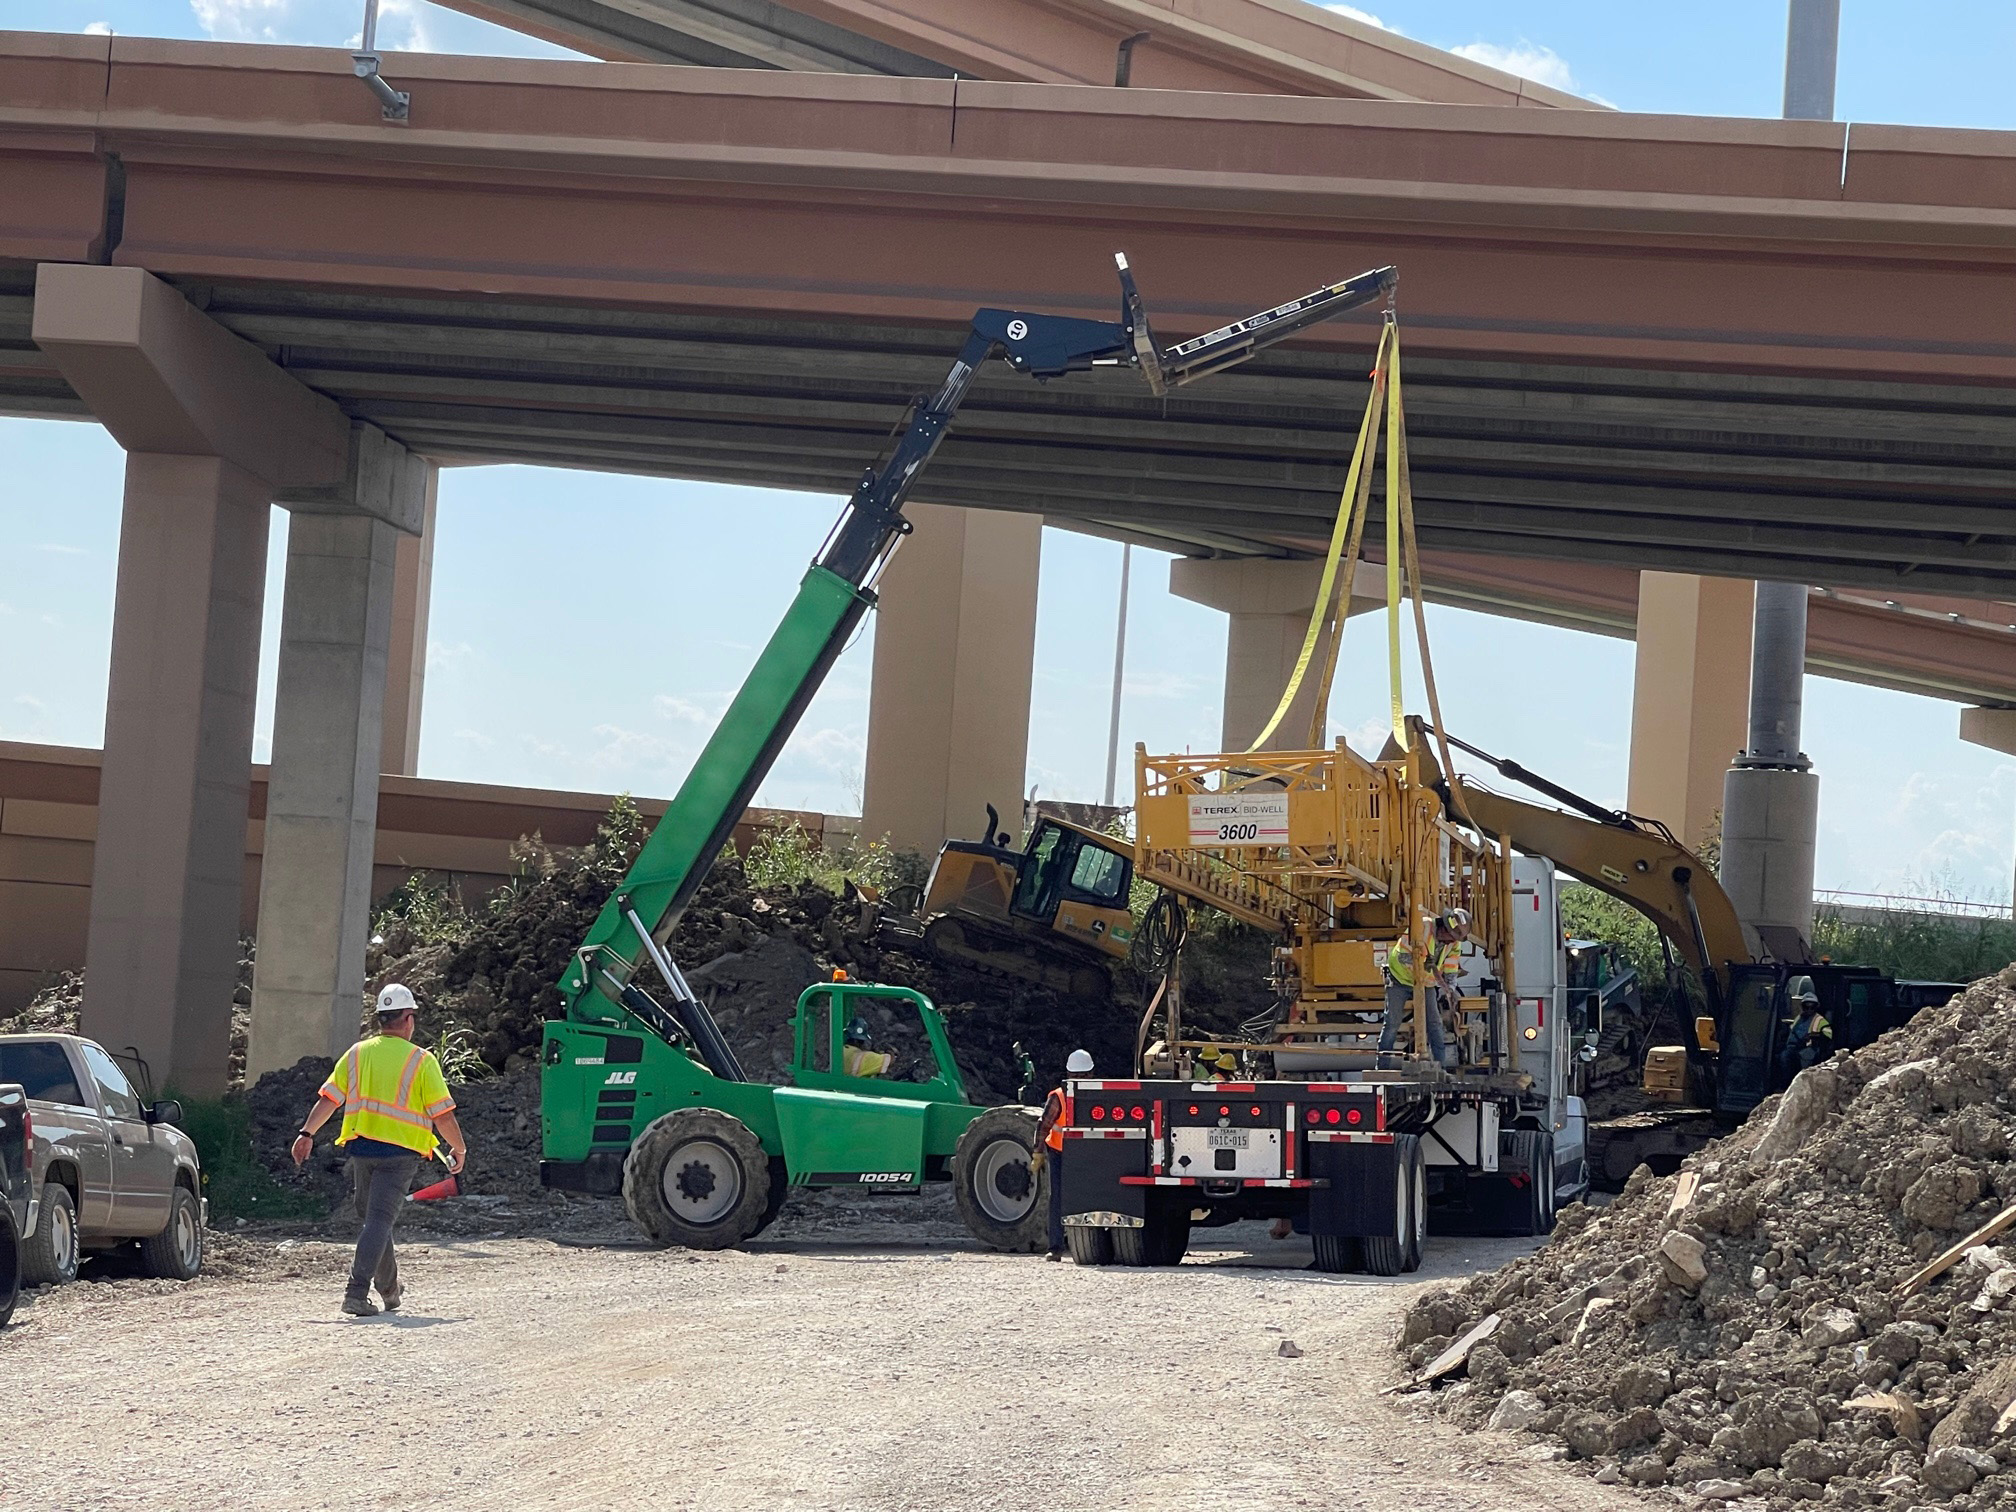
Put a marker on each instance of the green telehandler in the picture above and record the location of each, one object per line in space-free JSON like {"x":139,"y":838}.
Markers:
{"x":641,"y":1093}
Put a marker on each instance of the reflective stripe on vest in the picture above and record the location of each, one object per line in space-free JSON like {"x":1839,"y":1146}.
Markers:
{"x":398,"y":1110}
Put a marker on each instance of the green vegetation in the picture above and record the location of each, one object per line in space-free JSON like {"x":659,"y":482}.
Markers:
{"x":1587,"y":914}
{"x":237,"y":1185}
{"x":1920,"y":947}
{"x":786,"y":857}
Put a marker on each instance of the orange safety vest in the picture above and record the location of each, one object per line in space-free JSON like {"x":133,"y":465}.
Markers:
{"x":1055,"y":1138}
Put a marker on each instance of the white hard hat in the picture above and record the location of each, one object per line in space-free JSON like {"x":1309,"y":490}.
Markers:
{"x":1457,"y":918}
{"x":1080,"y":1063}
{"x":395,"y":998}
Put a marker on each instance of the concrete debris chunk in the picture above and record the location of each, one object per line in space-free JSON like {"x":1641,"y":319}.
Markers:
{"x":1806,"y":1103}
{"x":1289,"y":1350}
{"x":1830,"y":1326}
{"x":1683,"y":1256}
{"x":1516,"y":1411}
{"x":1958,"y":1468}
{"x":1720,"y":1490}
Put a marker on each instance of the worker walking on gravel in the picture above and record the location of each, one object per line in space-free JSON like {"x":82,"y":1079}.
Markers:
{"x":394,"y":1100}
{"x":1050,"y":1148}
{"x":1444,"y":963}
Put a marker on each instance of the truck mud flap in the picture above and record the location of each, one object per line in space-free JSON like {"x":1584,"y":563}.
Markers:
{"x":1358,"y":1202}
{"x":1092,"y":1172}
{"x":600,"y":1174}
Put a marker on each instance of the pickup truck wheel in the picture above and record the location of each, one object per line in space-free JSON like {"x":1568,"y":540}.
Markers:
{"x":10,"y":1263}
{"x":1002,"y":1202}
{"x":49,"y":1255}
{"x":1089,"y":1246}
{"x":697,"y":1177}
{"x":176,"y":1253}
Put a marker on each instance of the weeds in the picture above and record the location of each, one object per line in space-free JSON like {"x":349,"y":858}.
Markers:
{"x":786,"y":857}
{"x":1918,"y":946}
{"x":237,"y":1185}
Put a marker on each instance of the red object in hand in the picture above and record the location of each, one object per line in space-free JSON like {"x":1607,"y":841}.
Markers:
{"x":448,"y":1186}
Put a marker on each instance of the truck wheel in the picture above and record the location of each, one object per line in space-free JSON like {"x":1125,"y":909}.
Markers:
{"x":1539,"y":1151}
{"x":1417,"y":1199}
{"x":1386,"y":1254}
{"x":1338,"y":1254}
{"x":697,"y":1177}
{"x":1089,"y":1246}
{"x":1003,"y":1203}
{"x":176,"y":1253}
{"x":49,"y":1255}
{"x":780,"y":1188}
{"x":10,"y":1263}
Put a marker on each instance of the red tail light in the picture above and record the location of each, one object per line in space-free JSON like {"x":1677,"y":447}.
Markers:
{"x":1256,"y":1110}
{"x":1140,"y":1114}
{"x":1097,"y":1112}
{"x":1331,"y":1115}
{"x":1315,"y":1115}
{"x":1354,"y":1116}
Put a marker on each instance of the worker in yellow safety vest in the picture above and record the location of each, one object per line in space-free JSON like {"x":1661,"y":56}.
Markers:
{"x":1049,"y":1149}
{"x":1444,"y":964}
{"x":394,"y":1100}
{"x":857,"y":1055}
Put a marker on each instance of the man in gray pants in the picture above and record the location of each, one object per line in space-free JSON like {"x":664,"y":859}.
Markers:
{"x":394,"y":1099}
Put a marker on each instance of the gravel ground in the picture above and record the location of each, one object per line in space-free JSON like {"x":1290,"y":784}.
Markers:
{"x":841,"y":1364}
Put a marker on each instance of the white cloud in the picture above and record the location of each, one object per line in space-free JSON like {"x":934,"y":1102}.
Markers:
{"x":56,"y":548}
{"x":402,"y":24}
{"x":686,"y":711}
{"x":476,"y":738}
{"x":1528,"y":60}
{"x":444,"y":656}
{"x":1367,"y":17}
{"x":98,"y":29}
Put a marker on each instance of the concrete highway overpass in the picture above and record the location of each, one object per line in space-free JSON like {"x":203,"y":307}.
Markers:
{"x":1733,"y":348}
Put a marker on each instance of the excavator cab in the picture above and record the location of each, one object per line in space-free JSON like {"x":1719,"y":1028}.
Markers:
{"x":1054,"y":913}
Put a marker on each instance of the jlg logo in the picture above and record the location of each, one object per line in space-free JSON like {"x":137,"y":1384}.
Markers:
{"x":885,"y":1178}
{"x":620,"y":1078}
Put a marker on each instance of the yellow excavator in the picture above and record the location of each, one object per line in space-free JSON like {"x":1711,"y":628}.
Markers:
{"x":1054,"y":913}
{"x":1738,"y":1049}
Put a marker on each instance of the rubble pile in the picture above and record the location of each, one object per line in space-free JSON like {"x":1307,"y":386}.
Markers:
{"x":1748,"y":1327}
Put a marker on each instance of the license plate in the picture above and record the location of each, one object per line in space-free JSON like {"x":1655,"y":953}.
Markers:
{"x":1231,"y":1139}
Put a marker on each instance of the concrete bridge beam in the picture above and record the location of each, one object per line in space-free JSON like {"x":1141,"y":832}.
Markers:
{"x":955,"y":653}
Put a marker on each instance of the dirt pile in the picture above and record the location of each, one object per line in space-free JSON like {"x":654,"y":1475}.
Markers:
{"x":57,"y":1008}
{"x":1742,"y":1329}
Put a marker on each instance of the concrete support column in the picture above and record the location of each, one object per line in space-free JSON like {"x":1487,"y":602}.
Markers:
{"x":169,"y":864}
{"x":955,"y":651}
{"x":322,"y":800}
{"x":1690,"y":697}
{"x":1269,"y":600}
{"x":1995,"y":729}
{"x":406,"y":667}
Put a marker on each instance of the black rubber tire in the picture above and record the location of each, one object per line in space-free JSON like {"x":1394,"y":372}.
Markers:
{"x":176,"y":1253}
{"x":1130,"y":1246}
{"x":1386,"y":1254}
{"x":1165,"y":1234}
{"x":703,"y":1132}
{"x":49,"y":1256}
{"x":780,"y":1188}
{"x":982,"y":1155}
{"x":10,"y":1262}
{"x":1417,"y":1231}
{"x":1543,"y":1183}
{"x":1089,"y":1246}
{"x":1338,"y":1254}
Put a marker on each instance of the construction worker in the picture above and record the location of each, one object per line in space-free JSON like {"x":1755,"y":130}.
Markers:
{"x":1444,"y":964}
{"x":394,"y":1100}
{"x":1050,"y":1148}
{"x":857,"y":1055}
{"x":1811,"y":1039}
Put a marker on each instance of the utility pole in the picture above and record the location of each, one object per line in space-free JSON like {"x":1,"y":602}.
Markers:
{"x":1119,"y":672}
{"x":1771,"y":795}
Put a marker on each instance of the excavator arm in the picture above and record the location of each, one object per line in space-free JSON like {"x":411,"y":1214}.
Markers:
{"x":599,"y":985}
{"x":1635,"y":862}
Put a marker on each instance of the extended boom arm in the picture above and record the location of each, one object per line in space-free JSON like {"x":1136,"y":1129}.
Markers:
{"x":639,"y":917}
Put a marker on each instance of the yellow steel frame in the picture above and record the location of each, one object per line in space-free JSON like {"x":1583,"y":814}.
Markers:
{"x":1369,"y":851}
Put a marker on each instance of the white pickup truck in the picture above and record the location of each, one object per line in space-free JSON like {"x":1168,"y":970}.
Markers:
{"x":104,"y":1169}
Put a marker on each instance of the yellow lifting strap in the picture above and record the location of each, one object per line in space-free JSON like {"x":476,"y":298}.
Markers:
{"x":1327,"y":615}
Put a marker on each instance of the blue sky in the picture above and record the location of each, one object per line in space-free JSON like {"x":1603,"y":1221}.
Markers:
{"x":517,"y":695}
